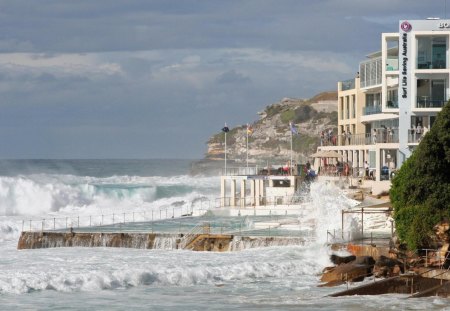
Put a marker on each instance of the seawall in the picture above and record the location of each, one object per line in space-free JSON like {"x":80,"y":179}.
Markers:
{"x":358,"y":250}
{"x":198,"y":242}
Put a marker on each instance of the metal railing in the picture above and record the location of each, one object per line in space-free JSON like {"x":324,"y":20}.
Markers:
{"x":415,"y":137}
{"x":270,"y":205}
{"x":263,"y":201}
{"x":427,"y":102}
{"x":191,"y":235}
{"x":368,"y":110}
{"x":391,"y":104}
{"x":348,"y":85}
{"x":89,"y":221}
{"x":381,"y":136}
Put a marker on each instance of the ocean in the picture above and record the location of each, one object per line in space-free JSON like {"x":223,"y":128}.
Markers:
{"x":271,"y":278}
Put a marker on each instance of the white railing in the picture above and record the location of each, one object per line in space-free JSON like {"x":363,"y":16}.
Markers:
{"x":191,"y":235}
{"x":89,"y":221}
{"x":273,"y":205}
{"x":262,"y":201}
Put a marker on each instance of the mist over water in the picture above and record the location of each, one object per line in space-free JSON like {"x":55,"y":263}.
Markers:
{"x":45,"y":194}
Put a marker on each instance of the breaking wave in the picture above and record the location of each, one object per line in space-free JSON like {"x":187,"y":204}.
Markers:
{"x":48,"y":196}
{"x":89,"y":272}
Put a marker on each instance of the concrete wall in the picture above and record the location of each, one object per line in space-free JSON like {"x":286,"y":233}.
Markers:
{"x":202,"y":242}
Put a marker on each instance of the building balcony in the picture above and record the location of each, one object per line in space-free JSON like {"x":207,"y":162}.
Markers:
{"x":414,"y":137}
{"x":392,"y":68}
{"x":348,"y":85}
{"x":382,"y":136}
{"x":368,"y":110}
{"x":426,"y":102}
{"x":392,"y":104}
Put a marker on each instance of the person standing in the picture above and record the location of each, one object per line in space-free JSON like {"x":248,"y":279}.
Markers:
{"x":390,"y":135}
{"x":366,"y":168}
{"x":374,"y":136}
{"x":349,"y":137}
{"x":418,"y":131}
{"x":413,"y":133}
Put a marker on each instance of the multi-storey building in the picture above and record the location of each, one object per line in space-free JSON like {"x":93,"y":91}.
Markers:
{"x":391,"y":103}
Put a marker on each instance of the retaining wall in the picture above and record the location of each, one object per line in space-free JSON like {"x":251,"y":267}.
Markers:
{"x":202,"y":242}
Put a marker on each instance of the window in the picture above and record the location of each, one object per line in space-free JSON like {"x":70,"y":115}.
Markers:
{"x":347,"y":107}
{"x":392,"y":98}
{"x":431,"y":93}
{"x":282,"y":183}
{"x":353,"y":106}
{"x":431,"y":52}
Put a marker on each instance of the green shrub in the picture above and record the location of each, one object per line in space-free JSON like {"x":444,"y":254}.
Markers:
{"x":420,"y":192}
{"x":287,"y":116}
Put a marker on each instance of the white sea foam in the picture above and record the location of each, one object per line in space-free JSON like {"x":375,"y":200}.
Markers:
{"x":67,"y":200}
{"x":97,"y":269}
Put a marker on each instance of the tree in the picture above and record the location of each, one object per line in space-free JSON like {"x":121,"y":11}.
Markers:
{"x":420,"y":192}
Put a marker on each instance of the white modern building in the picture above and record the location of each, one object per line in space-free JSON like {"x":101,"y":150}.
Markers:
{"x":391,"y":104}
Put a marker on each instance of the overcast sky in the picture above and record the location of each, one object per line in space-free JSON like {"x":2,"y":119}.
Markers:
{"x":155,"y":79}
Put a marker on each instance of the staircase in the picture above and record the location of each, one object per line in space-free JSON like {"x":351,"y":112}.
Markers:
{"x":188,"y":238}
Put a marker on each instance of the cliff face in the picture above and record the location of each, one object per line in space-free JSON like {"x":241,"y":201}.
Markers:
{"x":271,"y":137}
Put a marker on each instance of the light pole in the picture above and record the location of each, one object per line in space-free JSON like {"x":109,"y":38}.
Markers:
{"x":225,"y":129}
{"x":293,"y":131}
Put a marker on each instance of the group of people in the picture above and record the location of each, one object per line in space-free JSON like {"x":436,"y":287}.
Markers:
{"x":417,"y":132}
{"x":327,"y":138}
{"x":338,"y":169}
{"x":386,"y":135}
{"x":346,"y":136}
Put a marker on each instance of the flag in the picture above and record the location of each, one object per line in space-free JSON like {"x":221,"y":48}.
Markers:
{"x":293,"y":128}
{"x":225,"y":129}
{"x":249,"y":129}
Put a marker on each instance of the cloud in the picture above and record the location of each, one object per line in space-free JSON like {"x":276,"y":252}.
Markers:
{"x":157,"y":78}
{"x":232,"y":77}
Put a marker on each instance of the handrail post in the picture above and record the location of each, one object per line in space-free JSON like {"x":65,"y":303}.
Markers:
{"x":346,"y":279}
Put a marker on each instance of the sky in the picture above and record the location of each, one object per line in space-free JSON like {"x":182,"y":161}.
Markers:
{"x":157,"y":78}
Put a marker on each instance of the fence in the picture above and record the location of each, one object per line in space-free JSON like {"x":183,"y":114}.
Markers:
{"x":271,"y":206}
{"x":261,"y":202}
{"x":82,"y":221}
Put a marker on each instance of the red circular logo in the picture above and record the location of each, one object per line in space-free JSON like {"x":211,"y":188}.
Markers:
{"x":405,"y":26}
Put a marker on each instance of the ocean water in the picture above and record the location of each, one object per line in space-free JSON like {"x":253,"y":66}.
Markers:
{"x":273,"y":278}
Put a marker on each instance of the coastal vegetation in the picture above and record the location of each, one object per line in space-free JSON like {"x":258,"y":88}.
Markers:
{"x":420,"y":192}
{"x":270,"y":137}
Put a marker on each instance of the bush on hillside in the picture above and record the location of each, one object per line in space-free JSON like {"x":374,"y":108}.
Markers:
{"x":420,"y":192}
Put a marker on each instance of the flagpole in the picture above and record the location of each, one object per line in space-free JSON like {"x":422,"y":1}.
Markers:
{"x":225,"y":154}
{"x":247,"y":146}
{"x":290,"y":164}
